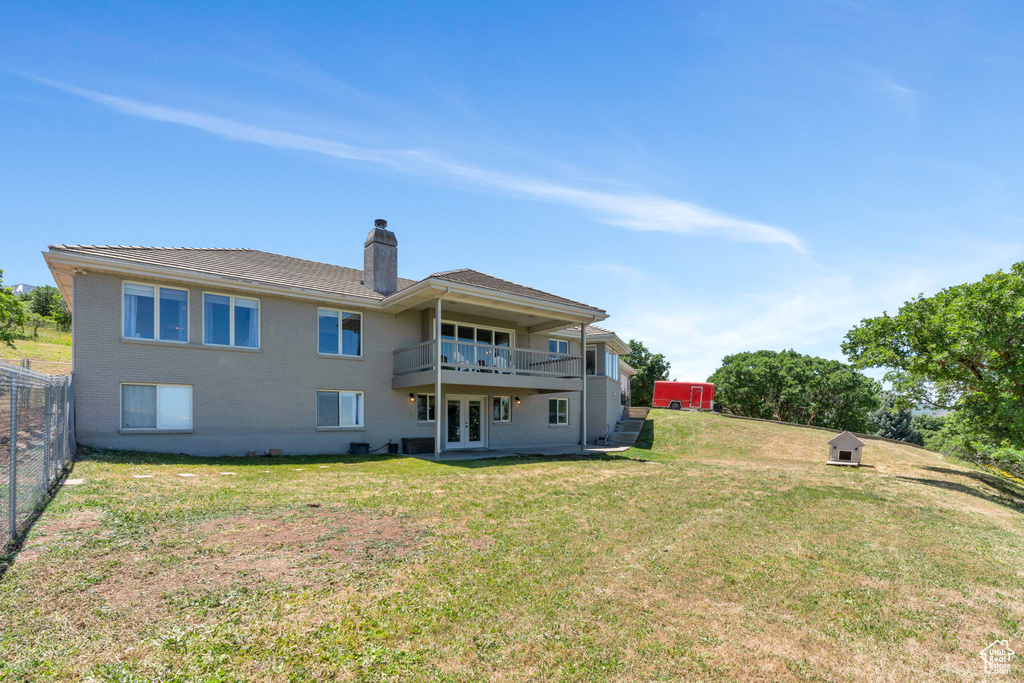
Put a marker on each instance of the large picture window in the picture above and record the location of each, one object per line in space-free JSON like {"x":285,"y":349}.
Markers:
{"x":339,"y":409}
{"x":155,"y":312}
{"x":156,"y":406}
{"x":339,"y":333}
{"x":558,"y":411}
{"x":231,"y":321}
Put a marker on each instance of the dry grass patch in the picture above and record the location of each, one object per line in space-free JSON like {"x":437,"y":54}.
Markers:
{"x":294,"y":549}
{"x":740,"y":556}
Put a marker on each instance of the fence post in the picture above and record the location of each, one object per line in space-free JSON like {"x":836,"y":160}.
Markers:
{"x":68,"y":431}
{"x":72,"y":439}
{"x":12,"y":491}
{"x":47,"y":470}
{"x":60,"y":425}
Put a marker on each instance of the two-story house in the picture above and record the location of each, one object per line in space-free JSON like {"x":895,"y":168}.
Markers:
{"x":224,"y":351}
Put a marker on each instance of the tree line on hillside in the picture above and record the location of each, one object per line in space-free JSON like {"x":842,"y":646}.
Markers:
{"x":962,"y":351}
{"x":954,"y":363}
{"x":43,"y":306}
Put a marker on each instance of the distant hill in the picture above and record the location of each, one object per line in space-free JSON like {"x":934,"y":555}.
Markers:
{"x":22,"y":288}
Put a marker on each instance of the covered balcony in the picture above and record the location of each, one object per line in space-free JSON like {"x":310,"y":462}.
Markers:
{"x":495,"y":365}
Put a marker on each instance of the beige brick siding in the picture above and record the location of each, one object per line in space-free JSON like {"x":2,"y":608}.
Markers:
{"x":246,"y":400}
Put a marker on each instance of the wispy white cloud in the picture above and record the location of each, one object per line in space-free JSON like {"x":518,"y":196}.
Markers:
{"x":812,"y":314}
{"x":635,"y":211}
{"x":897,"y":94}
{"x":900,"y":93}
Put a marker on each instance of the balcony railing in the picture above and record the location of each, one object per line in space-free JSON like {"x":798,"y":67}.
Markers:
{"x":474,"y":357}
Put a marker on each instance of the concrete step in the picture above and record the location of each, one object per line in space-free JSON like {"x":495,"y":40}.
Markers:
{"x":635,"y":412}
{"x":621,"y":439}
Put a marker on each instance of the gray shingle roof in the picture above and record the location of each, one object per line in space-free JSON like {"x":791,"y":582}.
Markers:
{"x":591,"y":330}
{"x":248,"y":265}
{"x":477,"y":279}
{"x":251,"y":265}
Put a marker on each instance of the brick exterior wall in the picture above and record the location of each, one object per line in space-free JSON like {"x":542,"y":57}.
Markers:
{"x":257,"y":400}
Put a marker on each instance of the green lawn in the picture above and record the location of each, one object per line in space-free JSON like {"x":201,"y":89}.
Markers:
{"x":726,"y":550}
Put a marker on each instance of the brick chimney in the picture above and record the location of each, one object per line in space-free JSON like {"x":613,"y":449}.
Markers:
{"x":380,"y":259}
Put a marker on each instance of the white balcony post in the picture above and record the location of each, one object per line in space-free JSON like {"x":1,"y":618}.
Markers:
{"x":583,"y":388}
{"x":437,"y":378}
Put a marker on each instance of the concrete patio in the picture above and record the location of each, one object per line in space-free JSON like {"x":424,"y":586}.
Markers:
{"x":485,"y":454}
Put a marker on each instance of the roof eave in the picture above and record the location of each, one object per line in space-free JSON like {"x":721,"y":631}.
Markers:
{"x":71,"y":260}
{"x":433,"y":288}
{"x":839,"y":436}
{"x":610,"y":338}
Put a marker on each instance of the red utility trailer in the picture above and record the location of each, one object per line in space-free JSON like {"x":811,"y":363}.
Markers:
{"x":684,"y":395}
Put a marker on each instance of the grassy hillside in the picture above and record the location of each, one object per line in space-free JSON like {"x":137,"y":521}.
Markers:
{"x":50,"y":351}
{"x":725,"y":551}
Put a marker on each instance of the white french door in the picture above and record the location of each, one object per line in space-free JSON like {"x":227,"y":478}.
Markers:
{"x":465,"y":426}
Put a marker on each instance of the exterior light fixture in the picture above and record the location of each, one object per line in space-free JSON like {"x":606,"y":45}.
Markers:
{"x":518,"y":401}
{"x":412,"y":398}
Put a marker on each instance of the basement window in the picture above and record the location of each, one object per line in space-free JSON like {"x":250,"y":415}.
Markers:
{"x":156,"y":406}
{"x":424,"y":407}
{"x":342,"y":409}
{"x":502,"y":409}
{"x":558,"y":412}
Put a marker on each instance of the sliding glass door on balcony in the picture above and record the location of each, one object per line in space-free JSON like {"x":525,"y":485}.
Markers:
{"x":471,"y":345}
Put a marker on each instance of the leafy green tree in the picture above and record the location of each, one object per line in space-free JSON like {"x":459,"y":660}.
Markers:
{"x":45,"y":300}
{"x":35,"y":321}
{"x":650,"y":367}
{"x":929,"y":430}
{"x":12,"y":313}
{"x":791,"y":387}
{"x":894,"y":423}
{"x":962,"y":349}
{"x":61,"y":319}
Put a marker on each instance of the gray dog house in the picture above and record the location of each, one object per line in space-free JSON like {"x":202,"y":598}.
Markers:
{"x":845,"y":449}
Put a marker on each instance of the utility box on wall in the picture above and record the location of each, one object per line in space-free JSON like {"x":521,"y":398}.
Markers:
{"x":845,"y":449}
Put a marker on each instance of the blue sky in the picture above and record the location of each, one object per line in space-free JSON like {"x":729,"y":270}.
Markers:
{"x":719,"y":177}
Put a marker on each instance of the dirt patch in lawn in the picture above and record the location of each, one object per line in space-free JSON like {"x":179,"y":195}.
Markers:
{"x":309,"y":549}
{"x":84,"y":522}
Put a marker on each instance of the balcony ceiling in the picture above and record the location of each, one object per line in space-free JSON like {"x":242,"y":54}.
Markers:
{"x":535,"y":315}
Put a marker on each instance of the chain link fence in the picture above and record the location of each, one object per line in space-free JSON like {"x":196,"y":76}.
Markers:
{"x":37,"y":441}
{"x":47,"y":367}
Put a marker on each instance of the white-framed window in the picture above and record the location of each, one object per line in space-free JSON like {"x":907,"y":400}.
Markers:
{"x":339,"y":408}
{"x":469,"y":344}
{"x":558,"y":411}
{"x":154,"y":312}
{"x":591,"y":360}
{"x":502,"y":409}
{"x":339,"y":333}
{"x":156,"y":406}
{"x":424,"y":407}
{"x":230,"y":320}
{"x":558,"y":346}
{"x":468,"y":333}
{"x":611,"y":365}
